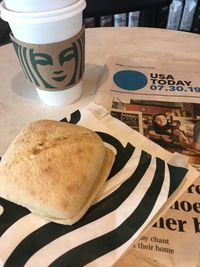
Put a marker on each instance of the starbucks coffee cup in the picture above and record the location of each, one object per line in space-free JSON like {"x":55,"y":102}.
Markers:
{"x":50,"y":48}
{"x":37,"y":5}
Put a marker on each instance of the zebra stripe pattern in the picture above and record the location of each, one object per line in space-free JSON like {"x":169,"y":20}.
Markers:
{"x":121,"y":210}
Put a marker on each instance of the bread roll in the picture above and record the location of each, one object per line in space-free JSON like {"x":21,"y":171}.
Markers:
{"x":55,"y":169}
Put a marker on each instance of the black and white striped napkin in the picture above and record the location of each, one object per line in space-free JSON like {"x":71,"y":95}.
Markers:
{"x":140,"y":185}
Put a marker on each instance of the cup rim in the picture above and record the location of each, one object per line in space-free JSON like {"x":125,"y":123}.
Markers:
{"x":41,"y":17}
{"x":32,"y":5}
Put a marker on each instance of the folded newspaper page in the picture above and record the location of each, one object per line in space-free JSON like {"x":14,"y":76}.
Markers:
{"x":161,"y":102}
{"x":140,"y":188}
{"x":174,"y":238}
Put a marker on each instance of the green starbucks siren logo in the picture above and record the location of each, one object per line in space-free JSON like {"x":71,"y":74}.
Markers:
{"x":53,"y":66}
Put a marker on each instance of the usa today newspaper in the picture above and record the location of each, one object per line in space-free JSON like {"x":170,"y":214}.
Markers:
{"x":162,"y":102}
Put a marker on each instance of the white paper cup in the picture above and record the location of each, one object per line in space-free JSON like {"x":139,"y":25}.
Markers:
{"x":45,"y":27}
{"x":48,"y":27}
{"x":37,"y":5}
{"x":60,"y":98}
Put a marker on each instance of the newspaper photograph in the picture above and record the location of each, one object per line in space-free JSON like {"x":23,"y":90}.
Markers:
{"x":174,"y":126}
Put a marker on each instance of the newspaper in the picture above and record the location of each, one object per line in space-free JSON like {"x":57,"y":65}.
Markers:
{"x":142,"y":94}
{"x":174,"y":238}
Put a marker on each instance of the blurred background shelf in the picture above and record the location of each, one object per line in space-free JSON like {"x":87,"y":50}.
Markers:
{"x":181,"y":15}
{"x":174,"y":14}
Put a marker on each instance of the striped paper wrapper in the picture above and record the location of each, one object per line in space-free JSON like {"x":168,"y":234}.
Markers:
{"x":144,"y":181}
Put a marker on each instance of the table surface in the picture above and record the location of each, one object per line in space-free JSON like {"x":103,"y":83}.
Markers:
{"x":19,"y":103}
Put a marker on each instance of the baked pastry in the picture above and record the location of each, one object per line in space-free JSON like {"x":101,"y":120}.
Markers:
{"x":55,"y":169}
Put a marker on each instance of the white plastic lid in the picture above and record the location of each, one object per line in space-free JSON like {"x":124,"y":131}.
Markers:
{"x":36,"y":5}
{"x":42,"y":17}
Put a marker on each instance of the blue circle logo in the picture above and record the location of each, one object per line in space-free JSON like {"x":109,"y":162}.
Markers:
{"x":130,"y":80}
